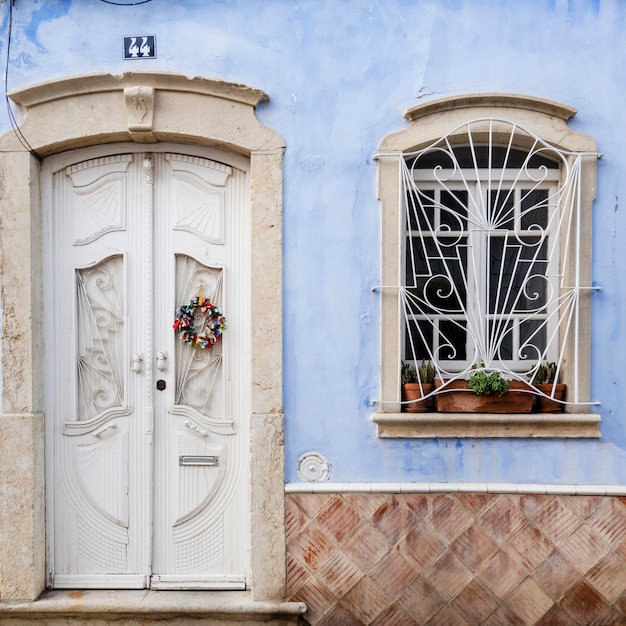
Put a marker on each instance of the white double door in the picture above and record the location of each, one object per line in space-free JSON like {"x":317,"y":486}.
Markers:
{"x":147,"y":437}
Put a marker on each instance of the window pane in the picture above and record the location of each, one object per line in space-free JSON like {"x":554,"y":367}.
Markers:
{"x":501,"y":338}
{"x":529,"y":335}
{"x":500,"y":209}
{"x":534,"y":209}
{"x":418,"y":338}
{"x":531,"y":278}
{"x":453,"y":212}
{"x":533,"y":335}
{"x":416,"y":262}
{"x":517,"y":274}
{"x":452,"y":341}
{"x":445,"y":340}
{"x":421,"y":210}
{"x":500,"y":157}
{"x":437,"y":268}
{"x":432,"y":159}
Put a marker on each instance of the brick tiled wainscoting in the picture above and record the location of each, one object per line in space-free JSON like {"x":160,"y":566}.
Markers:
{"x":455,"y":559}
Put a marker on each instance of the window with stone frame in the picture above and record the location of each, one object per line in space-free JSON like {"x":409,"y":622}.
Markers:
{"x":486,"y":258}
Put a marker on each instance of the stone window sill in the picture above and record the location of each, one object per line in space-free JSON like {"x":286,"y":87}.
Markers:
{"x":457,"y":425}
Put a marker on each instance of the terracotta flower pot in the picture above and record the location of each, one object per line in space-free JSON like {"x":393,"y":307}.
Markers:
{"x":458,"y":397}
{"x":414,"y":393}
{"x":548,"y":405}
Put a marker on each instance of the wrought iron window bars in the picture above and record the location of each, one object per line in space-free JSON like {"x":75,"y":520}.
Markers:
{"x":491,"y":236}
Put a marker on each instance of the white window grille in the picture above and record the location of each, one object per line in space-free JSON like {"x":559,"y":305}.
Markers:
{"x":491,"y":232}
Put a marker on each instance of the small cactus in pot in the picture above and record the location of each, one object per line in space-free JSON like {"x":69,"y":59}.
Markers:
{"x":551,"y":392}
{"x":416,"y":383}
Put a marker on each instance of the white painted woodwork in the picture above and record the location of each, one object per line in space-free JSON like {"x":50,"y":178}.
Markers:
{"x":131,"y":237}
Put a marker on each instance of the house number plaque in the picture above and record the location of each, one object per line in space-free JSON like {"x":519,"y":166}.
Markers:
{"x":140,"y":47}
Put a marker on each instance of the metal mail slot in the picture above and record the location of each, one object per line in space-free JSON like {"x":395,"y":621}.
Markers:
{"x":197,"y":460}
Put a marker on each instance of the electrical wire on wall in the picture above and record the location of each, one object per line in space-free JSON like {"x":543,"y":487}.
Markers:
{"x":125,"y":4}
{"x":14,"y":125}
{"x":12,"y":120}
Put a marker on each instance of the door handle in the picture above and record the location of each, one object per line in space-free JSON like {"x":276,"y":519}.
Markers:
{"x":161,"y":358}
{"x":136,"y":363}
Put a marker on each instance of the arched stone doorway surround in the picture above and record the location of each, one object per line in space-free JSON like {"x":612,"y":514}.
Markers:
{"x":100,"y":109}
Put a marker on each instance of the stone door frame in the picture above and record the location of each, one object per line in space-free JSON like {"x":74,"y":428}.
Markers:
{"x":99,"y":109}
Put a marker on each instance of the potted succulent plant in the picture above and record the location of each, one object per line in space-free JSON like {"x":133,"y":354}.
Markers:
{"x":485,"y":392}
{"x":551,"y":391}
{"x":416,"y":383}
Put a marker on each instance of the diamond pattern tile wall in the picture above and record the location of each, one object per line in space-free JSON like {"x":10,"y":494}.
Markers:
{"x":493,"y":559}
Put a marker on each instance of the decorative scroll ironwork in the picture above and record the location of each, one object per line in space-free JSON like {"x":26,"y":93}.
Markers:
{"x":100,"y":338}
{"x":491,"y":259}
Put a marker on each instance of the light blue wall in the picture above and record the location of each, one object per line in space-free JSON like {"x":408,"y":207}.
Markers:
{"x":339,"y":74}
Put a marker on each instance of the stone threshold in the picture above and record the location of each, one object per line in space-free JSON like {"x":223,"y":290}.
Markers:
{"x":115,"y":604}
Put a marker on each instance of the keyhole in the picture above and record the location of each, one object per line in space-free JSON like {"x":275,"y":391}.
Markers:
{"x":160,"y":385}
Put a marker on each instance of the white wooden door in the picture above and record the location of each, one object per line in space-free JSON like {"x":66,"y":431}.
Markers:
{"x":147,"y":436}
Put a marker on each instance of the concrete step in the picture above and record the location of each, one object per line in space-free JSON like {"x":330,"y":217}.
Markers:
{"x":144,"y":608}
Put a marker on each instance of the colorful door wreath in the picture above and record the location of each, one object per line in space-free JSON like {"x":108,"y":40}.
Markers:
{"x":211,"y":330}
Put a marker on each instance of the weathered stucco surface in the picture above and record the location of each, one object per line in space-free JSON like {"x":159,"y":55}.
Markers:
{"x":22,"y":514}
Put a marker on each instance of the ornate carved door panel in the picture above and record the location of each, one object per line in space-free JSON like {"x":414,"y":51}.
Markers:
{"x":147,"y":435}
